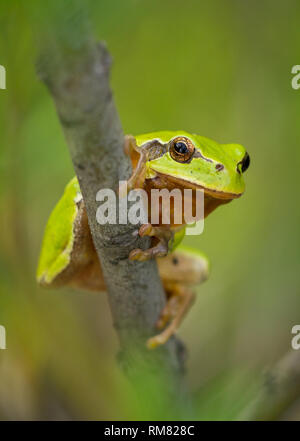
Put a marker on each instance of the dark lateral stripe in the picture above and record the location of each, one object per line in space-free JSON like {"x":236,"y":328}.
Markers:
{"x":198,"y":154}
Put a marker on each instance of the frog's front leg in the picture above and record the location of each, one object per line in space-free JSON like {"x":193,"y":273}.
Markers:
{"x":138,"y":176}
{"x":163,"y":236}
{"x":180,"y":299}
{"x":139,"y":157}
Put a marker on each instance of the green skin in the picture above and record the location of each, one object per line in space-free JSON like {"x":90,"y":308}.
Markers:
{"x":59,"y":238}
{"x":201,"y":172}
{"x":59,"y":235}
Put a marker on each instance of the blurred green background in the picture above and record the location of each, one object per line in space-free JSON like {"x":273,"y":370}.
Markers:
{"x":220,"y":69}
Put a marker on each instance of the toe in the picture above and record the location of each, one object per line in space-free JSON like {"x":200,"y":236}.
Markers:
{"x":154,"y":342}
{"x":145,"y":230}
{"x":139,"y":255}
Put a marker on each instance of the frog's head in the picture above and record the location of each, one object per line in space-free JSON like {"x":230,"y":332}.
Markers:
{"x":197,"y":162}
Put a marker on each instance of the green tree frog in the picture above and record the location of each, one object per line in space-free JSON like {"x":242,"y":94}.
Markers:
{"x":166,"y":159}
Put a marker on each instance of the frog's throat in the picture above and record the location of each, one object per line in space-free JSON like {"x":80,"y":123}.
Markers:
{"x":183,"y":183}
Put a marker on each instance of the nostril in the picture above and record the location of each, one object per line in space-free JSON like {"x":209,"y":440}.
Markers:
{"x":219,"y":167}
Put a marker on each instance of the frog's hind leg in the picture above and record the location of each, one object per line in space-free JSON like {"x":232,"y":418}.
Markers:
{"x":84,"y":271}
{"x":180,"y":299}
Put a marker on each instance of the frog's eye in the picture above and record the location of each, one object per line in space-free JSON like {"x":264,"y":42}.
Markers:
{"x":181,"y":149}
{"x":244,"y":163}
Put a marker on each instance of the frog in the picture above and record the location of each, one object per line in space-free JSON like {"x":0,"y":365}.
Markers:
{"x":180,"y":160}
{"x":160,"y":160}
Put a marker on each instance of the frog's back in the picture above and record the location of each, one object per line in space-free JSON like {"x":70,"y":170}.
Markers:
{"x":58,"y":237}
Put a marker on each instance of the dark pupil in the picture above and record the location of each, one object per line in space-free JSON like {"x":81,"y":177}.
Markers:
{"x":180,"y":148}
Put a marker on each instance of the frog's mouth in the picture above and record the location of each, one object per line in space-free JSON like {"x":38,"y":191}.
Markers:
{"x":174,"y":182}
{"x":212,"y":198}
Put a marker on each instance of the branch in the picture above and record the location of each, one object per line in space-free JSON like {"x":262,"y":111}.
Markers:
{"x":280,"y":387}
{"x":76,"y":71}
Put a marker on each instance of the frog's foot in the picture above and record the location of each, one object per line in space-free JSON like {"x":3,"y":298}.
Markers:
{"x":177,"y":306}
{"x":159,"y":250}
{"x":163,"y":235}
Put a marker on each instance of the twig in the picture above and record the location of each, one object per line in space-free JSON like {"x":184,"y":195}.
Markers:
{"x":280,"y":387}
{"x":76,"y":71}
